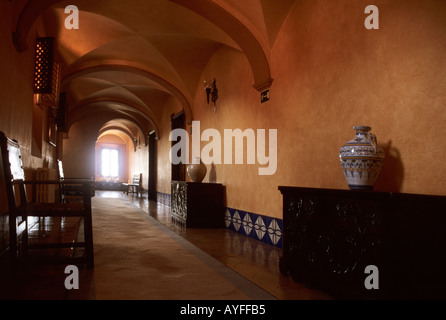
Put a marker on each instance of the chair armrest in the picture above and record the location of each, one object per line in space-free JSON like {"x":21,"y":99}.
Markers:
{"x":82,"y":186}
{"x":65,"y":181}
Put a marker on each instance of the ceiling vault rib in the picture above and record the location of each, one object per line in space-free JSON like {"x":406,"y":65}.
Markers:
{"x":127,"y":67}
{"x":30,"y":12}
{"x":106,"y":127}
{"x":114,"y":114}
{"x":255,"y":48}
{"x":221,"y":15}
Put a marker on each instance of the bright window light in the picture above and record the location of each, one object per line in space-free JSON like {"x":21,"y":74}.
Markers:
{"x":110,"y":163}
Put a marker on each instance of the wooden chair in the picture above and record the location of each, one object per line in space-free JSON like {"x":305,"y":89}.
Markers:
{"x":71,"y":193}
{"x":135,"y":186}
{"x":20,"y":209}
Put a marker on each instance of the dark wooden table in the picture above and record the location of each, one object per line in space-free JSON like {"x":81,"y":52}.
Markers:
{"x":331,"y":236}
{"x":197,"y":205}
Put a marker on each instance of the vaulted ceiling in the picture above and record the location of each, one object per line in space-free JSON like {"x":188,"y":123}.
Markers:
{"x":128,"y":58}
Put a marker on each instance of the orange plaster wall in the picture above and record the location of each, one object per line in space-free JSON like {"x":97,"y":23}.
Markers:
{"x":16,"y":109}
{"x":138,"y":162}
{"x":238,"y":107}
{"x":163,"y":178}
{"x":16,"y":90}
{"x":330,"y":74}
{"x":79,"y":149}
{"x":17,"y":116}
{"x":336,"y":74}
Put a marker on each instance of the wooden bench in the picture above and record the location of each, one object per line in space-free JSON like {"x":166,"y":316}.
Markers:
{"x":135,"y":186}
{"x":71,"y":193}
{"x":20,"y":209}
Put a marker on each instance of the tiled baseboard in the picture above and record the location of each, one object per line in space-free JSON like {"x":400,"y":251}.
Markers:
{"x":259,"y":227}
{"x":263,"y":228}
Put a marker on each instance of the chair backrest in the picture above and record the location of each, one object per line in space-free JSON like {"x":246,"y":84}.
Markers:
{"x":13,"y":172}
{"x":136,"y":178}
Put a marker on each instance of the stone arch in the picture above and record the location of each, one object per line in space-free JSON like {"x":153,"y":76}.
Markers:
{"x":80,"y":112}
{"x":217,"y":12}
{"x":230,"y":21}
{"x":126,"y":66}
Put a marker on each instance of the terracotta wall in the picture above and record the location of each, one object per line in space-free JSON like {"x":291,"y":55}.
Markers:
{"x":336,"y":74}
{"x":139,"y":162}
{"x":79,"y":148}
{"x":16,"y":109}
{"x":16,"y":90}
{"x":163,"y":147}
{"x":331,"y":73}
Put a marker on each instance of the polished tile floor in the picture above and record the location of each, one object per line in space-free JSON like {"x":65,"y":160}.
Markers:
{"x":253,"y":259}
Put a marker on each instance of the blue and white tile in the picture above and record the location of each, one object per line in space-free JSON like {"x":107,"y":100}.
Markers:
{"x":259,"y":227}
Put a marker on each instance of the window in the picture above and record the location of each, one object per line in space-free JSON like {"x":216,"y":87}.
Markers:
{"x":110,"y":162}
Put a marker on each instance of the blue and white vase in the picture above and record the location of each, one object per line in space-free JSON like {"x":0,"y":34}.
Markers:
{"x":361,"y":159}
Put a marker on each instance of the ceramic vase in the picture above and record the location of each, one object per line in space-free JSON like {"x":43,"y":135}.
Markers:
{"x":196,"y":170}
{"x":361,"y":159}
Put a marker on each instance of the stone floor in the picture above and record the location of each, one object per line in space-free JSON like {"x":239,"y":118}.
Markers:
{"x":253,"y":264}
{"x":253,"y":259}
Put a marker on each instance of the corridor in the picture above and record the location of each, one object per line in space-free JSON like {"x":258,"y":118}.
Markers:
{"x":141,"y":255}
{"x":254,"y":260}
{"x":269,"y":96}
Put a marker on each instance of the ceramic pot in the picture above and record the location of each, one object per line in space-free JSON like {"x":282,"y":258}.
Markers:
{"x":197,"y":170}
{"x":361,"y":159}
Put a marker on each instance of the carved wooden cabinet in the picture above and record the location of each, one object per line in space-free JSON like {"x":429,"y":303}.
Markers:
{"x":330,"y":236}
{"x":197,"y":205}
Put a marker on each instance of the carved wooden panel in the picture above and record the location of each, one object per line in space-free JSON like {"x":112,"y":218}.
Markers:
{"x":179,"y":202}
{"x":197,"y":205}
{"x":331,"y":236}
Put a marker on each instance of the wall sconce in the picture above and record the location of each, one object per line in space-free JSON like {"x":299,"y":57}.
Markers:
{"x":43,"y":66}
{"x":211,"y":92}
